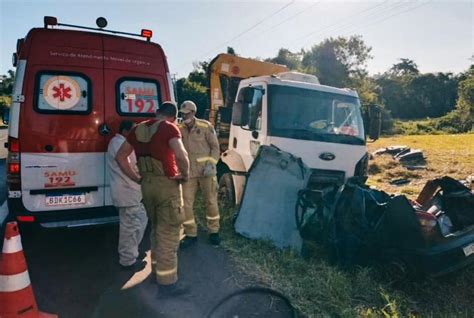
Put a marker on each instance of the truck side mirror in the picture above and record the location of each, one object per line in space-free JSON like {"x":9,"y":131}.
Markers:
{"x":240,"y":114}
{"x":5,"y":115}
{"x":375,"y":121}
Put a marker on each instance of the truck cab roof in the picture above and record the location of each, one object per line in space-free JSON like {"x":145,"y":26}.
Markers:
{"x":300,"y":80}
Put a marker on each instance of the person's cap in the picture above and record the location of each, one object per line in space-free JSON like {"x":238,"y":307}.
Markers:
{"x":188,"y":106}
{"x":168,"y":109}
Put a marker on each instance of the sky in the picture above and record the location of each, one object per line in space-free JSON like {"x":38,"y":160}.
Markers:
{"x":438,"y":35}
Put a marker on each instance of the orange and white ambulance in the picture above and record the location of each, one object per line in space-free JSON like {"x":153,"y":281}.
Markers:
{"x":73,"y":87}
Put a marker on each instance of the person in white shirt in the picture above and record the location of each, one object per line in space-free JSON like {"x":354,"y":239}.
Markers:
{"x":126,"y":197}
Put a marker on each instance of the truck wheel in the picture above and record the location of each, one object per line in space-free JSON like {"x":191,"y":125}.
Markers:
{"x":226,"y":193}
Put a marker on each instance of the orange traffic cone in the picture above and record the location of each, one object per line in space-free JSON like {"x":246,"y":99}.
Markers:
{"x":16,"y":293}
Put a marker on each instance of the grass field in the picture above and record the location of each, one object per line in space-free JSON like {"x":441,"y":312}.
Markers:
{"x":319,"y":289}
{"x":451,"y":155}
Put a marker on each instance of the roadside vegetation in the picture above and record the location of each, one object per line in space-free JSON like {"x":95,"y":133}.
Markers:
{"x":319,"y":288}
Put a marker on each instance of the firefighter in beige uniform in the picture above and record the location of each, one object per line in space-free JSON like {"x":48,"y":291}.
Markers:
{"x":200,"y":141}
{"x":163,"y":165}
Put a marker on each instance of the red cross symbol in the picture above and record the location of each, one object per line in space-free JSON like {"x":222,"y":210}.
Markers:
{"x":61,"y":92}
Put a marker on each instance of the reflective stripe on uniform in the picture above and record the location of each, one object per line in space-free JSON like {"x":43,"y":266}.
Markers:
{"x":213,"y":217}
{"x":204,"y":159}
{"x":12,"y":283}
{"x":12,"y":245}
{"x":201,"y":124}
{"x":189,"y":222}
{"x":167,"y":272}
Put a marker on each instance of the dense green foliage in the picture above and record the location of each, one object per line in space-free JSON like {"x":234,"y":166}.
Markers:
{"x":6,"y":87}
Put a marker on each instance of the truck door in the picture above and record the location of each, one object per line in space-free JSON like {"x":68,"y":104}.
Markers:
{"x":61,"y":142}
{"x":247,"y":139}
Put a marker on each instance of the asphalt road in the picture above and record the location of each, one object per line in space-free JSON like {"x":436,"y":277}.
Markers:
{"x":75,"y":273}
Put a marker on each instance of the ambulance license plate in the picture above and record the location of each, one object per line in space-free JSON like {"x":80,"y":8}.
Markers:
{"x":468,"y":250}
{"x":66,"y":199}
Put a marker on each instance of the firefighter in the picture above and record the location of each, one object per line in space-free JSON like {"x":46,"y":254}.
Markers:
{"x":200,"y":141}
{"x":126,"y":196}
{"x":163,"y":165}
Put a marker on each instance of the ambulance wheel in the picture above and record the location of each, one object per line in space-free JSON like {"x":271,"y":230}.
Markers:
{"x":226,"y":192}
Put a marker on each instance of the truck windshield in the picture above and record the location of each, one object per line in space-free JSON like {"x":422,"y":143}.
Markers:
{"x":300,"y":113}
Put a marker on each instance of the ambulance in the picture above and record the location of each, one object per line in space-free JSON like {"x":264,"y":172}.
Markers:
{"x":73,"y":87}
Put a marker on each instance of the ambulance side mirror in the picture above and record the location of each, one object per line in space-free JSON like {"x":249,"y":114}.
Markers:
{"x":240,"y":114}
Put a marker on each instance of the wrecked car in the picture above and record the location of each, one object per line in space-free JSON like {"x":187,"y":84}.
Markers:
{"x":432,"y":235}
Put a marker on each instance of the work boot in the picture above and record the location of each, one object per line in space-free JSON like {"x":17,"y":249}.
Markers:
{"x":215,"y":239}
{"x":176,"y":289}
{"x":187,"y":241}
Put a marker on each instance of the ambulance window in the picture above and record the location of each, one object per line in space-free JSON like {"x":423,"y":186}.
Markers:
{"x":62,"y":93}
{"x":138,"y":97}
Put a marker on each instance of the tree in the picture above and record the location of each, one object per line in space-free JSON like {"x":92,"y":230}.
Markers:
{"x":433,"y":94}
{"x":404,"y":67}
{"x":407,"y":94}
{"x":464,"y":112}
{"x":189,"y":90}
{"x":338,"y":61}
{"x":199,"y":73}
{"x":230,"y":50}
{"x":194,"y":87}
{"x":288,"y":58}
{"x":466,"y":94}
{"x":411,"y":95}
{"x":6,"y":83}
{"x":6,"y":89}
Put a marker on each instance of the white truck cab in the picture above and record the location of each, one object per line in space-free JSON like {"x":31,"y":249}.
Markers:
{"x":320,"y":124}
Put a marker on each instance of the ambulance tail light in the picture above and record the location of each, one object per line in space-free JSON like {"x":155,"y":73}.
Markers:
{"x":25,"y":218}
{"x":13,"y":145}
{"x":13,"y":168}
{"x":13,"y":165}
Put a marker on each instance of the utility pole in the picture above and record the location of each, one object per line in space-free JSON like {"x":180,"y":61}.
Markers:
{"x":175,"y":88}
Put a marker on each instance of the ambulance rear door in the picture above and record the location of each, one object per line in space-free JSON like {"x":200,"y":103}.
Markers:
{"x":62,"y":131}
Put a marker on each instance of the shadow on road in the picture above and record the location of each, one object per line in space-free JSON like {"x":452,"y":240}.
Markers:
{"x":75,"y":273}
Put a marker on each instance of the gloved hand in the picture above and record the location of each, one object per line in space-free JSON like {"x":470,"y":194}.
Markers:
{"x":209,"y":170}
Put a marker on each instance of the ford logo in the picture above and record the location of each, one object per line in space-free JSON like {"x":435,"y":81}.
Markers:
{"x":327,"y":156}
